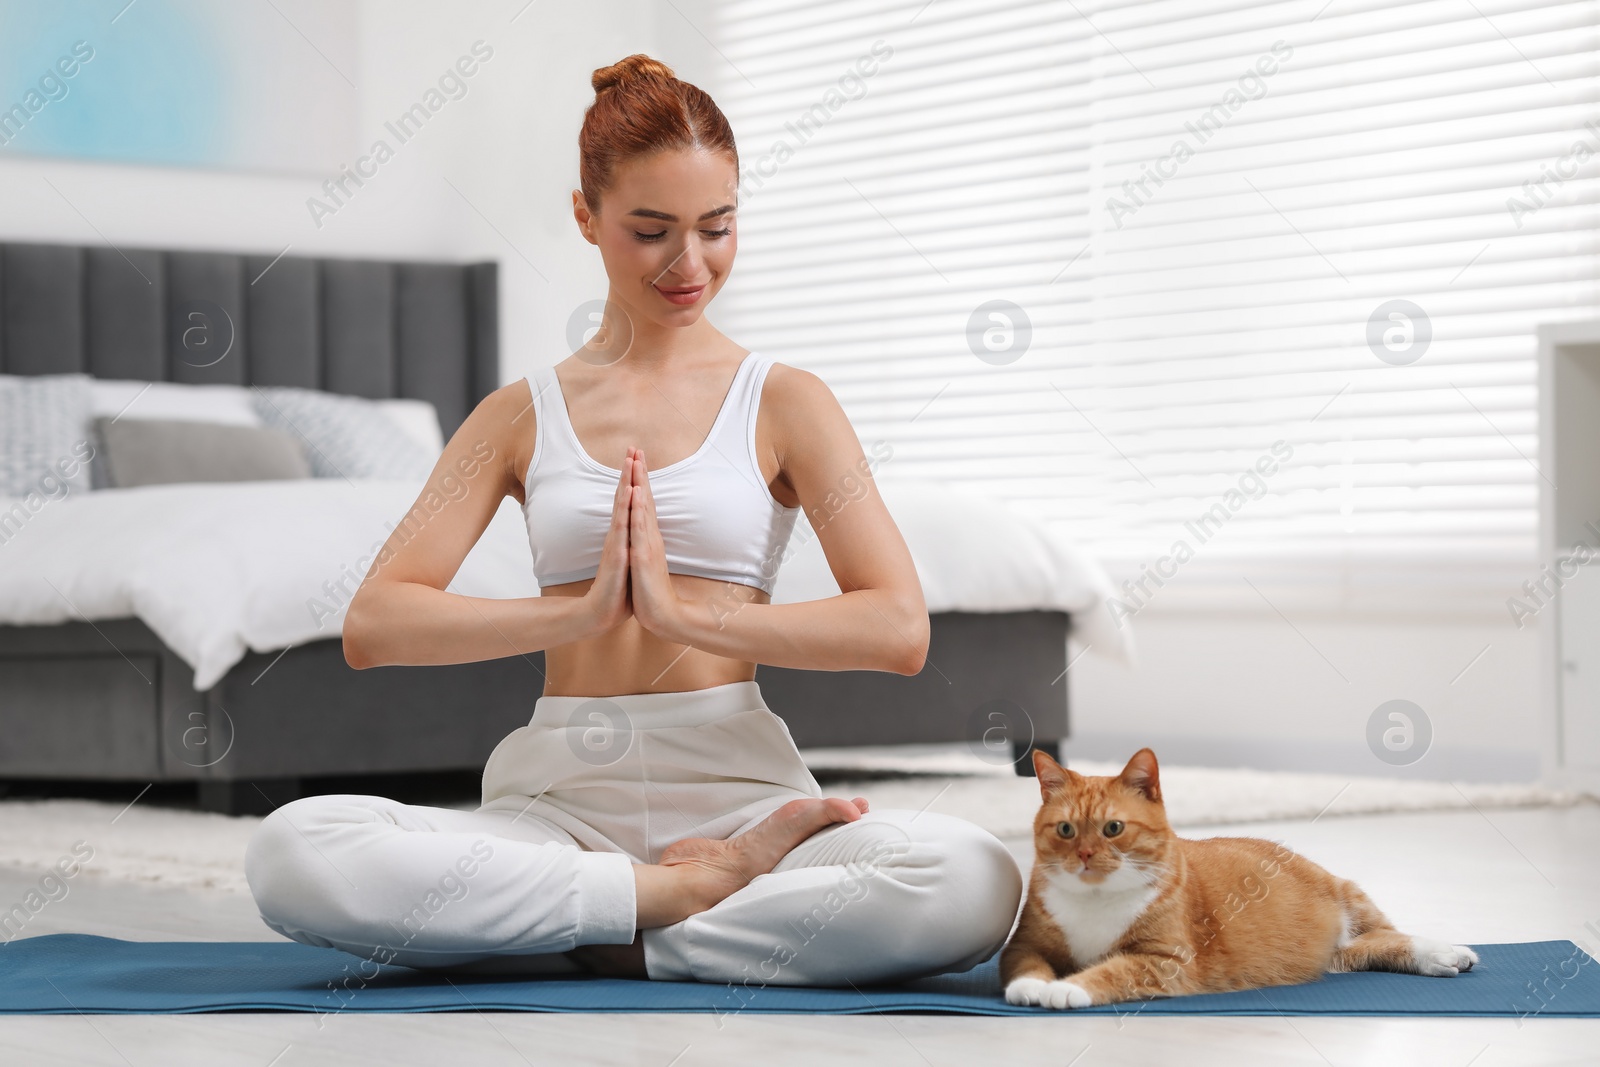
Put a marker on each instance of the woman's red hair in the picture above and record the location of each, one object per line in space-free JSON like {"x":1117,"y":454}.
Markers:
{"x":641,"y":108}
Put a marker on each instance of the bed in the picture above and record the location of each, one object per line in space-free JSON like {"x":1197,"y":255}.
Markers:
{"x":160,"y":633}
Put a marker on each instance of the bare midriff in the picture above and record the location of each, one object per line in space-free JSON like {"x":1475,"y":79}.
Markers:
{"x":630,"y":659}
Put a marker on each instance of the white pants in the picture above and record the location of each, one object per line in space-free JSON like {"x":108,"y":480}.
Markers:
{"x":594,"y":785}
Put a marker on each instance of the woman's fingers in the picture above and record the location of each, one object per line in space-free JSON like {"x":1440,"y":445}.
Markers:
{"x":611,"y":587}
{"x":645,"y":495}
{"x":654,"y":601}
{"x":639,"y":531}
{"x":643,"y":505}
{"x":620,"y":505}
{"x":619,"y":500}
{"x":633,"y":493}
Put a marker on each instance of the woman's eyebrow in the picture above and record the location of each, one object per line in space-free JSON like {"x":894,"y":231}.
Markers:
{"x":650,"y":213}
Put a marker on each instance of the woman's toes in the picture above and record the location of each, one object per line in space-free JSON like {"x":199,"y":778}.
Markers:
{"x":845,"y":810}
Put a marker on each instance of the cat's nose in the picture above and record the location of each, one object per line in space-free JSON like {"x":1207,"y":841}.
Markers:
{"x":1086,"y":854}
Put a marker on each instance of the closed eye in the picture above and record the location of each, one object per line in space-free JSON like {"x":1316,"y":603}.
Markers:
{"x":647,"y":237}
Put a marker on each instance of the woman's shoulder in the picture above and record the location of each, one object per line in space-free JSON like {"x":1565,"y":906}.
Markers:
{"x":504,"y":404}
{"x":800,"y":412}
{"x":795,"y":386}
{"x":505,"y":421}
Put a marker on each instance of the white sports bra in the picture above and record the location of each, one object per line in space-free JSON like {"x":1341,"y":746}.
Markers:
{"x":717,"y":517}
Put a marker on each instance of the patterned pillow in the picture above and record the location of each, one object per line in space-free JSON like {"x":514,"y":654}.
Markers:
{"x":45,"y":441}
{"x":345,"y":436}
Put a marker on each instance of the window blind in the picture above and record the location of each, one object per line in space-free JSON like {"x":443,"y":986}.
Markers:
{"x":1255,"y":281}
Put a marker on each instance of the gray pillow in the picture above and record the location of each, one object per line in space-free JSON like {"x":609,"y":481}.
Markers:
{"x":345,"y":436}
{"x":166,"y":451}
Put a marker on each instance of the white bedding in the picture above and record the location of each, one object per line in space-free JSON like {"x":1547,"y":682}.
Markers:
{"x":219,"y":569}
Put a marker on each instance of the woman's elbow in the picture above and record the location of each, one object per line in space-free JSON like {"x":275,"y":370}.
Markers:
{"x":911,"y":664}
{"x":911,"y":653}
{"x":354,"y":635}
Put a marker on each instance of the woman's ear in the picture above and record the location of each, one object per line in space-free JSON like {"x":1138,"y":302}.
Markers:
{"x":581,"y":212}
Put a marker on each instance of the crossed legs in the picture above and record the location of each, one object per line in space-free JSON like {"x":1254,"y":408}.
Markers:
{"x":794,"y":898}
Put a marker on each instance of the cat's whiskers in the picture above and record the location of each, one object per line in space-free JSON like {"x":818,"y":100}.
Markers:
{"x":1151,"y":872}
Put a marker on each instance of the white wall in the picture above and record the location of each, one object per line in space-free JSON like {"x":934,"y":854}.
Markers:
{"x":1249,"y":689}
{"x":509,"y":145}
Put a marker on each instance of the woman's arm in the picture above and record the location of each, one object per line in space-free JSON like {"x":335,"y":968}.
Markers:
{"x":402,"y":614}
{"x":879,"y":622}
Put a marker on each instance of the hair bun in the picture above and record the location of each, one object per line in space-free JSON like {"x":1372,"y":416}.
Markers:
{"x":634,"y":67}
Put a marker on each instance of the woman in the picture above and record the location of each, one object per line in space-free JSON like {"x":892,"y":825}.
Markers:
{"x":654,"y":819}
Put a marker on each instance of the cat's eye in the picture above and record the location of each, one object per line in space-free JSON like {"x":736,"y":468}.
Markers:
{"x":1065,"y":829}
{"x":1112,"y":828}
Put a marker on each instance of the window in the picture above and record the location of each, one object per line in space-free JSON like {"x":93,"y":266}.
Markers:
{"x":1259,"y":281}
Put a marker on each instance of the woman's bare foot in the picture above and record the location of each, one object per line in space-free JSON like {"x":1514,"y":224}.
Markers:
{"x":696,"y":873}
{"x":721,"y":868}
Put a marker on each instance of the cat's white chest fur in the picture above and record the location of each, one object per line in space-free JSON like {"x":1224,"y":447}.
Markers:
{"x":1094,"y":918}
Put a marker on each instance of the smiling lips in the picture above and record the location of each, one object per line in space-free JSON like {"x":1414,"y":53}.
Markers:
{"x":681,"y":294}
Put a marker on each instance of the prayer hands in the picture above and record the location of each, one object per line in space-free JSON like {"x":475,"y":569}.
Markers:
{"x":632,"y":579}
{"x":656,"y":603}
{"x":609,"y":596}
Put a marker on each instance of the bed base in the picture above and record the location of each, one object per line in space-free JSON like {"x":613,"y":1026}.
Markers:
{"x":108,"y":701}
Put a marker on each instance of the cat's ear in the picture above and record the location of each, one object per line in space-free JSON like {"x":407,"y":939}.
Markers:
{"x":1052,"y":776}
{"x":1142,"y":776}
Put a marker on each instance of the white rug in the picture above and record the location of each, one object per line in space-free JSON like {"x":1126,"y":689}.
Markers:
{"x":959,"y":783}
{"x":171,"y":847}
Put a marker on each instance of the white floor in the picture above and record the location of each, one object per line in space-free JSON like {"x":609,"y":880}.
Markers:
{"x":1467,"y":876}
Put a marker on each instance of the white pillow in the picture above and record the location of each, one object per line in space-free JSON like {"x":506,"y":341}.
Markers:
{"x":419,"y":419}
{"x":228,"y":404}
{"x":345,"y":436}
{"x":45,"y":443}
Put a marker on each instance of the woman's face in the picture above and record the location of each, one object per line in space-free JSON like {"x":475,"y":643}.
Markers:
{"x":667,"y":223}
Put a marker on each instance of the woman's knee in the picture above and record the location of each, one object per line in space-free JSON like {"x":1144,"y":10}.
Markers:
{"x":980,"y":889}
{"x":280,"y":857}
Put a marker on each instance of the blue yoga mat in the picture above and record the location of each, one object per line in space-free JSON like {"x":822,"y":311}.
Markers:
{"x":63,"y":973}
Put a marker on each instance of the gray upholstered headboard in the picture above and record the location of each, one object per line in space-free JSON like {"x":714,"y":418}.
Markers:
{"x":370,"y":328}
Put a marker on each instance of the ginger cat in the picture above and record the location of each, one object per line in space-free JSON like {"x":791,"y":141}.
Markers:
{"x":1119,"y":907}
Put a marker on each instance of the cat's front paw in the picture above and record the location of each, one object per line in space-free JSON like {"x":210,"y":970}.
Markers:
{"x":1437,"y":959}
{"x":1059,"y":994}
{"x":1026,"y":990}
